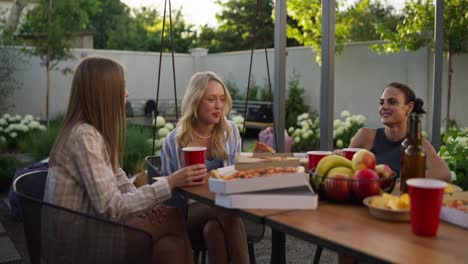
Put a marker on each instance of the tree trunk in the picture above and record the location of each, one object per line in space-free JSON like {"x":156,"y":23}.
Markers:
{"x":48,"y":94}
{"x":15,"y":13}
{"x":449,"y":89}
{"x":48,"y":62}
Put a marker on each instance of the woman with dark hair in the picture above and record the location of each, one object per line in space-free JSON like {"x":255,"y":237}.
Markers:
{"x":396,"y":104}
{"x":85,"y":173}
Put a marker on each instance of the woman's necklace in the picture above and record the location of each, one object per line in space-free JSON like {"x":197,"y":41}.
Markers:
{"x":199,"y":136}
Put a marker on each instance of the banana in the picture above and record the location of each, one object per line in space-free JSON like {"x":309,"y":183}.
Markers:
{"x":340,"y":170}
{"x":331,"y":161}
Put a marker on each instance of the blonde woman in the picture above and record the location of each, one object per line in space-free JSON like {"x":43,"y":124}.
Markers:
{"x":205,"y":105}
{"x":85,"y":162}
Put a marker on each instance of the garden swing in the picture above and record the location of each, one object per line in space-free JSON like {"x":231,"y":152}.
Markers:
{"x":254,"y":231}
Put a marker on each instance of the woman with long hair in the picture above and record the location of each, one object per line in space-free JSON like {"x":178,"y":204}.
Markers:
{"x":204,"y":122}
{"x":396,"y":104}
{"x":85,"y":161}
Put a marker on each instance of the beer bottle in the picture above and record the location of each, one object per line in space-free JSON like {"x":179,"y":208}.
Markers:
{"x":414,"y":157}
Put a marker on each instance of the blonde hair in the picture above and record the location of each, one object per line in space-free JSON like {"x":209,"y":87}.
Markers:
{"x":97,"y":97}
{"x":190,"y":103}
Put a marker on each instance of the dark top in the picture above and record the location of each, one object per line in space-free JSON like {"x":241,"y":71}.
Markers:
{"x":387,"y":151}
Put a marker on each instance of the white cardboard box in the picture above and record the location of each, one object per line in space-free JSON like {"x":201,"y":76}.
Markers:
{"x":291,"y":198}
{"x":281,"y":181}
{"x":453,"y":215}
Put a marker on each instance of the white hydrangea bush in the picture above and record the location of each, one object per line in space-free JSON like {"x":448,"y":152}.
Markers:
{"x":162,"y":130}
{"x":345,"y":127}
{"x":13,"y":128}
{"x":239,"y":120}
{"x":306,"y":133}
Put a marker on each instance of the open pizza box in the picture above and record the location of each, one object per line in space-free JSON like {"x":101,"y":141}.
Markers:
{"x":453,"y":215}
{"x":267,"y":182}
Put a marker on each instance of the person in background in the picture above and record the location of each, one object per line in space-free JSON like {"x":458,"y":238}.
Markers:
{"x":205,"y":106}
{"x":267,"y":136}
{"x":85,"y":174}
{"x":396,"y":103}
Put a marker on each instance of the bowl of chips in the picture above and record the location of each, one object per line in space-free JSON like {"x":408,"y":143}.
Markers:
{"x":389,"y":207}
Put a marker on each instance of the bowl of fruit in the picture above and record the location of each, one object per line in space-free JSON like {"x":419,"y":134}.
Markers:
{"x":350,"y":181}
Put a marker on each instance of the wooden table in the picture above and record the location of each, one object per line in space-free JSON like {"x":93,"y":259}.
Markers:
{"x":350,"y":229}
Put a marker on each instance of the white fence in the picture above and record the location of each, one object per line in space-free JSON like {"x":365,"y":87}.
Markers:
{"x":360,"y":77}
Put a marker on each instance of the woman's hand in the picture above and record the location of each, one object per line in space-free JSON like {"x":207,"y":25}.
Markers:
{"x":188,"y":176}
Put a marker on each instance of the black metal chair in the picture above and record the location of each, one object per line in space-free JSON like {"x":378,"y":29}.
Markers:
{"x":59,"y":235}
{"x":255,"y":231}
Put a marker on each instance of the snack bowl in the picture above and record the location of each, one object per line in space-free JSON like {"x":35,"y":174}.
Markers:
{"x":349,"y":190}
{"x":386,"y":213}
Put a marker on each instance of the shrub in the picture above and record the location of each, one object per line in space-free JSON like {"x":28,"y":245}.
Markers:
{"x":305,"y":133}
{"x":294,"y":104}
{"x":344,"y":130}
{"x":8,"y":166}
{"x":13,"y":129}
{"x":233,"y":89}
{"x":454,"y":151}
{"x":39,"y":143}
{"x":136,"y":148}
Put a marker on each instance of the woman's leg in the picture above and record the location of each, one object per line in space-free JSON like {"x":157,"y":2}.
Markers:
{"x":234,"y":231}
{"x":203,"y":226}
{"x":169,"y":232}
{"x":223,"y":232}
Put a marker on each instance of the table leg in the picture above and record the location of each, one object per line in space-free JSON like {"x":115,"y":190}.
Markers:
{"x":278,"y":247}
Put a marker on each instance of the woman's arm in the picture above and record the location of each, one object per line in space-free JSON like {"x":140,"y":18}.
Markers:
{"x":435,"y":166}
{"x":364,"y":138}
{"x":102,"y":185}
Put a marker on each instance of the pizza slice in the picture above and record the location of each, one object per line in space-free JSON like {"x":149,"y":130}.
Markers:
{"x":262,"y":148}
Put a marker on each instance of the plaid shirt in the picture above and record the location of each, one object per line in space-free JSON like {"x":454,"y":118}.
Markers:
{"x":82,"y":179}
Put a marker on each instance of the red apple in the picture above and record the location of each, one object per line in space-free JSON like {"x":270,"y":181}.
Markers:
{"x":366,"y":183}
{"x":338,"y":187}
{"x":384,"y":171}
{"x":363,"y":159}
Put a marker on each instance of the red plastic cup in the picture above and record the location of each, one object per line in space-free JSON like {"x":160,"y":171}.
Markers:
{"x":194,"y":155}
{"x":426,"y":203}
{"x":315,"y":156}
{"x":349,"y":152}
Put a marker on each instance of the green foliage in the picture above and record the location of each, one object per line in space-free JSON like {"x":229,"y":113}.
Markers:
{"x":265,"y":93}
{"x":253,"y":89}
{"x":53,"y":43}
{"x":140,"y":30}
{"x":13,"y":129}
{"x":305,"y":132}
{"x":416,"y":29}
{"x":344,"y":129}
{"x":233,"y":89}
{"x":113,"y":12}
{"x":8,"y":166}
{"x":294,"y":104}
{"x":39,"y":143}
{"x":136,"y":148}
{"x":455,"y":152}
{"x":235,"y":26}
{"x":366,"y":18}
{"x":306,"y":25}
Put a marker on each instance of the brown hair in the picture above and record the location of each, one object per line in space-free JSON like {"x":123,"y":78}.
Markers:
{"x":194,"y":94}
{"x":97,"y":97}
{"x":409,"y":97}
